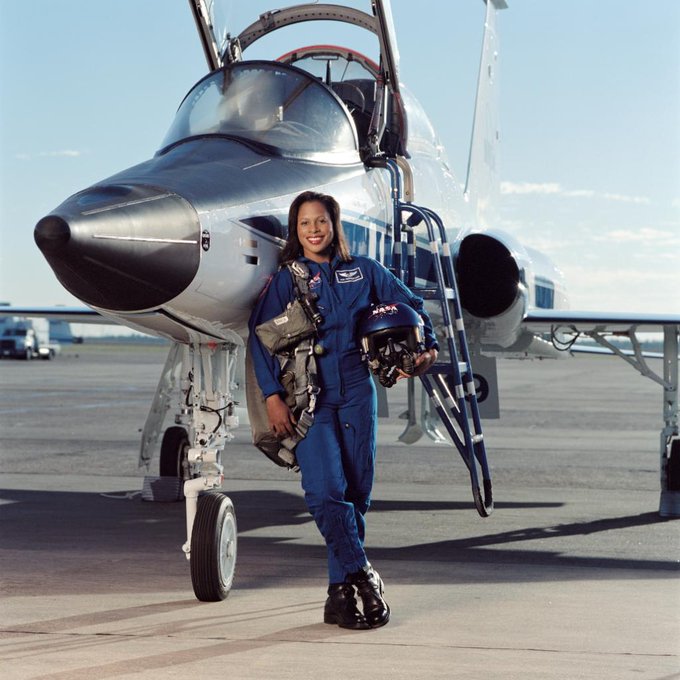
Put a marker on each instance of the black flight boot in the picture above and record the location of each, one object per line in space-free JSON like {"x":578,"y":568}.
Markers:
{"x":341,"y":608}
{"x":370,"y":588}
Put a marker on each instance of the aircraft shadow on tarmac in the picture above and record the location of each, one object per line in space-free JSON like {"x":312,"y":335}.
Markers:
{"x":102,"y":526}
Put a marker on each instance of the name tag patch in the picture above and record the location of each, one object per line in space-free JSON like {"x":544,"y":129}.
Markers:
{"x":348,"y":275}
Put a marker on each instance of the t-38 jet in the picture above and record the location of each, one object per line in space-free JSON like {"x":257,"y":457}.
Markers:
{"x":181,"y":245}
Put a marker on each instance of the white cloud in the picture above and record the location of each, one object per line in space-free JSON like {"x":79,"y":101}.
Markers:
{"x":645,"y":234}
{"x":624,"y":289}
{"x":62,"y":153}
{"x":641,"y":200}
{"x":556,"y":189}
{"x":530,"y":188}
{"x":578,"y":193}
{"x":69,"y":153}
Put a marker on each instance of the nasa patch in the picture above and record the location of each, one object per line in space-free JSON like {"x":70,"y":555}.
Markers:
{"x":384,"y":310}
{"x":348,"y":275}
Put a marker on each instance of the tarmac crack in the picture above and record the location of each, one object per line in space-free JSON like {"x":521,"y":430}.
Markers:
{"x":272,"y":638}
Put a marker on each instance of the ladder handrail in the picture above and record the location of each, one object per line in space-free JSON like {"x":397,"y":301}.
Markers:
{"x":453,"y":408}
{"x":460,"y":327}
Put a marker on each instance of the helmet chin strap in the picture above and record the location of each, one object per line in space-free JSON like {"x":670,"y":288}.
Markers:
{"x":393,"y":358}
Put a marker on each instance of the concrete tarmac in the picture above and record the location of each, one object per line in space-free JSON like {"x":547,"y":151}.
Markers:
{"x":573,"y":576}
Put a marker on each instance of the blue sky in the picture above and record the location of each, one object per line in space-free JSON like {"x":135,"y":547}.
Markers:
{"x":590,"y":120}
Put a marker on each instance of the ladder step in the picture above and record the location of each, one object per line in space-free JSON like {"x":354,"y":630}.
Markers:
{"x":432,"y":293}
{"x":448,"y":368}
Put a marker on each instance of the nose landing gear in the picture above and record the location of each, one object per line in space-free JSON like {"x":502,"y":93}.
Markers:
{"x":191,"y":453}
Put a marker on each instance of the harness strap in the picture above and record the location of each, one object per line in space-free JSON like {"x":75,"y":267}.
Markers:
{"x":306,"y":375}
{"x":301,"y":380}
{"x":306,"y":384}
{"x":305,"y":418}
{"x":300,"y":274}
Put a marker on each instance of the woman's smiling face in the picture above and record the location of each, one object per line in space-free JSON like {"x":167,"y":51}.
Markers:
{"x":315,"y":231}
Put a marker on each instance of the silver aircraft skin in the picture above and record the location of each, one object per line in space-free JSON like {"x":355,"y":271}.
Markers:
{"x":181,"y":245}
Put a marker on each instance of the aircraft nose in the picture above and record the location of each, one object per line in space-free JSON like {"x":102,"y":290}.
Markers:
{"x":51,"y":233}
{"x":122,"y":247}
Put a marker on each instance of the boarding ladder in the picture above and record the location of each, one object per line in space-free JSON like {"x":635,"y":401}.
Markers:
{"x":449,"y":384}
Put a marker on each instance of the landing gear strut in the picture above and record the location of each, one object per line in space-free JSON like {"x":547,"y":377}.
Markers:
{"x":191,"y":453}
{"x":208,"y":378}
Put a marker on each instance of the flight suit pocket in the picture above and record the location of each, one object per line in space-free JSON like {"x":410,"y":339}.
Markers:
{"x":357,"y":430}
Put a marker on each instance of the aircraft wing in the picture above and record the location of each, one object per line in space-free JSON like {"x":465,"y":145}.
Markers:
{"x":70,"y":314}
{"x":547,"y":320}
{"x":566,"y":326}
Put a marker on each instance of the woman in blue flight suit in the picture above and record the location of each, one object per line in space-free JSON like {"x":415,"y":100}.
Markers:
{"x":337,"y":457}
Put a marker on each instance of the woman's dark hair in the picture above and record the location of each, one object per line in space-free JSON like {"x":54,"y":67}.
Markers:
{"x":293,"y":249}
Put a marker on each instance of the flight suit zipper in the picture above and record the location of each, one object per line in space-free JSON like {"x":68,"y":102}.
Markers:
{"x":339,"y":354}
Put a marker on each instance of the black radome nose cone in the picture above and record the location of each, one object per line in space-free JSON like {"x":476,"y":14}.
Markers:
{"x":51,"y":233}
{"x":122,"y":247}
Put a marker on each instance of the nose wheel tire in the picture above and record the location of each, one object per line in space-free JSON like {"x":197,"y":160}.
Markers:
{"x":213,"y":547}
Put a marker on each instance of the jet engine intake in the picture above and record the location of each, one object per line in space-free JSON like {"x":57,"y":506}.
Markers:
{"x":488,"y":276}
{"x":492,"y":293}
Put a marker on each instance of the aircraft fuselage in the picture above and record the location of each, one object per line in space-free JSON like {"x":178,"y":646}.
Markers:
{"x":182,"y":244}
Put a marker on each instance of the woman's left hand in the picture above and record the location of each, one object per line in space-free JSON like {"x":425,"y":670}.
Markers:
{"x":422,"y":363}
{"x":425,"y":360}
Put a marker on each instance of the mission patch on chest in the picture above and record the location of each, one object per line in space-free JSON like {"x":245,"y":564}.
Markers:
{"x":348,"y":275}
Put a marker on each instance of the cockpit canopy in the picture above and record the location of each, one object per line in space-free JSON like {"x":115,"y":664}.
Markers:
{"x":271,"y":104}
{"x":387,"y":130}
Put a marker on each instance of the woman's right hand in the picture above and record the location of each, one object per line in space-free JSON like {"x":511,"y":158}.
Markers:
{"x":281,"y":418}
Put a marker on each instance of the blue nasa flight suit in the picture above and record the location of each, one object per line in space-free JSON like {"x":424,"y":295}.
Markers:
{"x":337,"y":457}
